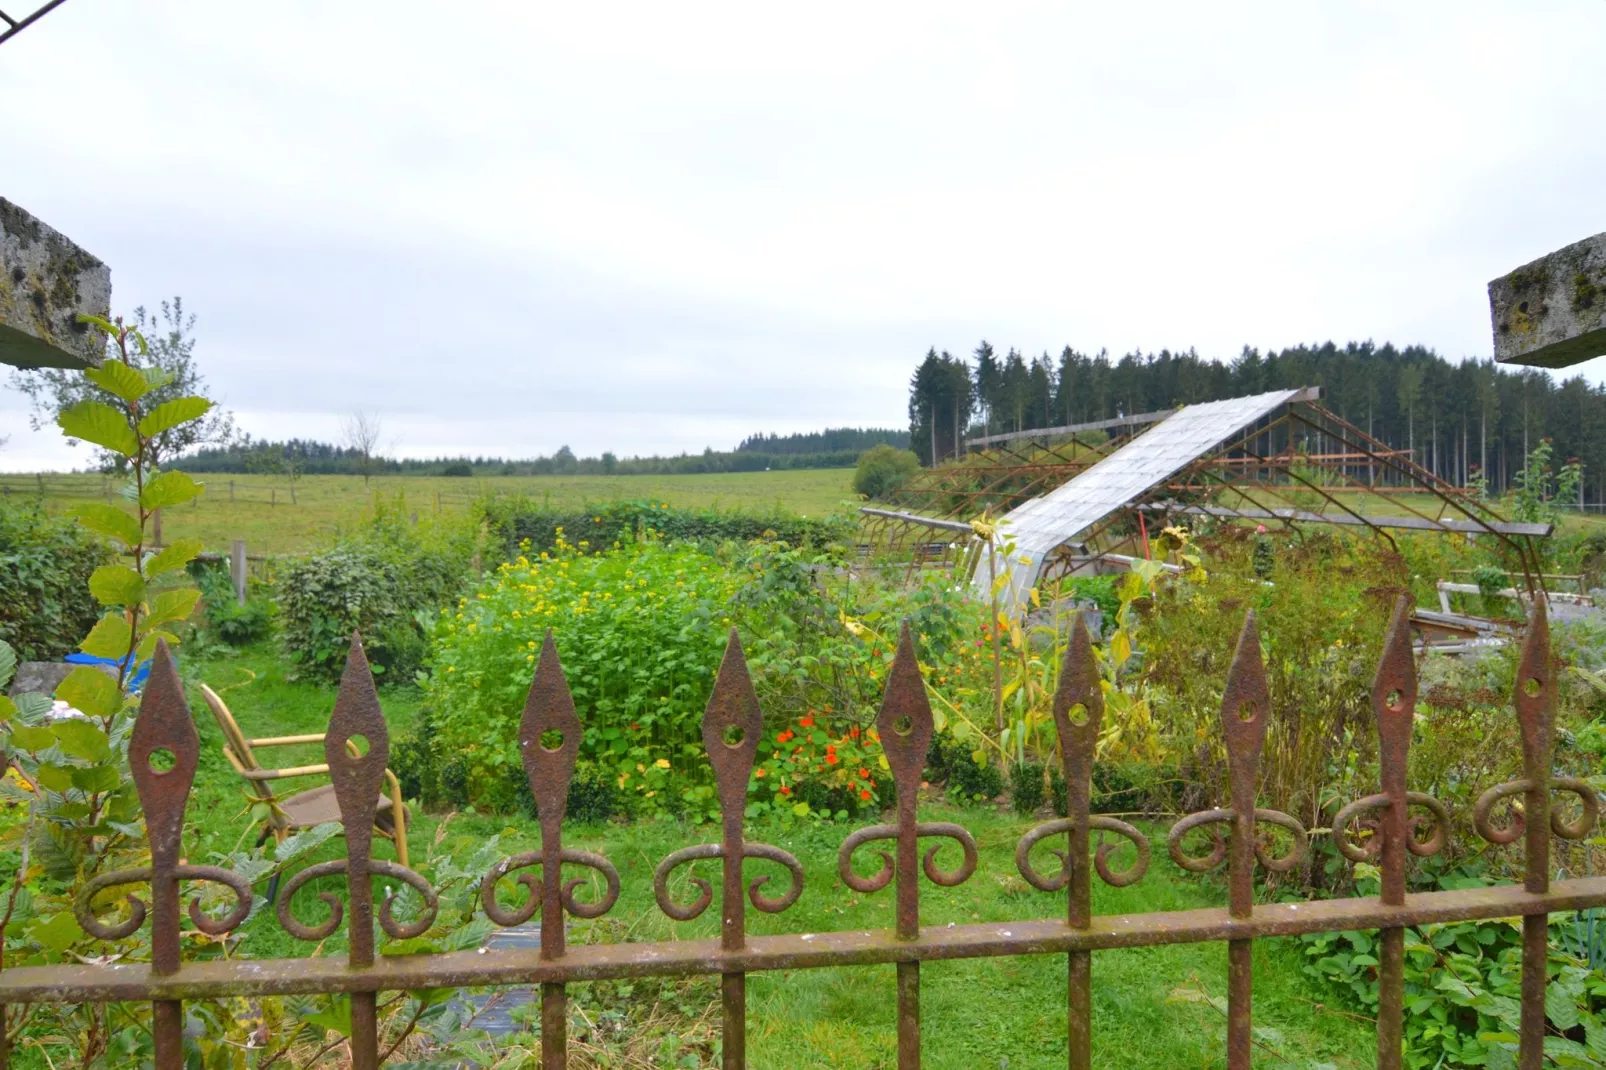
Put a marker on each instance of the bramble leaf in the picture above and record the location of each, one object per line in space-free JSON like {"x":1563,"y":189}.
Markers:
{"x":98,"y":423}
{"x":116,"y":585}
{"x":81,"y":739}
{"x":1561,"y":1007}
{"x":57,"y":933}
{"x":110,"y":520}
{"x":169,"y":488}
{"x":109,"y":638}
{"x":170,"y":414}
{"x":180,"y":553}
{"x":118,"y":378}
{"x":172,"y":605}
{"x":32,"y":706}
{"x":96,"y":779}
{"x":32,"y":738}
{"x":91,"y":692}
{"x":55,"y":777}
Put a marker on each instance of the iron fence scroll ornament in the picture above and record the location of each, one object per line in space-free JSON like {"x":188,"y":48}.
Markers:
{"x":732,"y":728}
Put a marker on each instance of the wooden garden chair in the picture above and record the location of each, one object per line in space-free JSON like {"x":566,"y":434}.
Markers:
{"x":289,"y":814}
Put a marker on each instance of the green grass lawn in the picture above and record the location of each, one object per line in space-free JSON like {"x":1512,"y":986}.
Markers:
{"x":1150,"y":1005}
{"x":261,"y":512}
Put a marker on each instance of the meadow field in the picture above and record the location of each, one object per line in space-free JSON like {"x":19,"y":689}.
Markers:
{"x":274,"y":519}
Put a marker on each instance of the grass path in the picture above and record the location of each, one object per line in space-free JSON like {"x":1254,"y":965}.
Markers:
{"x":1151,"y":1006}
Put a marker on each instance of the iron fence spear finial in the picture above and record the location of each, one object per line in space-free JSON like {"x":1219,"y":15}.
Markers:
{"x":549,"y":744}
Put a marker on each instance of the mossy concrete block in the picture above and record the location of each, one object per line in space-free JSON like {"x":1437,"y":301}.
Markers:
{"x":46,"y":282}
{"x":1552,"y":313}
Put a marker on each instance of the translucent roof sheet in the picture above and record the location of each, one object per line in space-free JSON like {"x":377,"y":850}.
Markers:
{"x":1124,"y":477}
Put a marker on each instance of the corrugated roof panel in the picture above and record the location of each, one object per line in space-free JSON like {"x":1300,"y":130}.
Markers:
{"x":1043,"y":524}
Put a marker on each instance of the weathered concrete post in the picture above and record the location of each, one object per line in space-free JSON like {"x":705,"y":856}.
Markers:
{"x":237,"y":569}
{"x":46,"y":282}
{"x":1552,"y":313}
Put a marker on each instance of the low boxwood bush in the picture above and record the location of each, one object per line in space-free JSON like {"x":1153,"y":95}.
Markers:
{"x":967,"y":780}
{"x":516,"y":522}
{"x":45,"y":565}
{"x":1026,"y":787}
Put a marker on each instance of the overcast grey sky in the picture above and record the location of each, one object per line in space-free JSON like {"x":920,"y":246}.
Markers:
{"x":647,"y":228}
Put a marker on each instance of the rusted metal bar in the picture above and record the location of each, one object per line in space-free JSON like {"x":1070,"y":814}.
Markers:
{"x":1078,"y":713}
{"x":163,"y":751}
{"x":164,"y":728}
{"x":791,"y":951}
{"x":549,"y":743}
{"x":1245,"y":710}
{"x":732,"y":727}
{"x":1534,"y":698}
{"x":905,"y":727}
{"x":1394,"y":705}
{"x":356,"y":750}
{"x":1394,"y":690}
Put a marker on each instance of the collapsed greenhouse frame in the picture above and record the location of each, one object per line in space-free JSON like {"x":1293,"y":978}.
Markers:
{"x":1068,"y":504}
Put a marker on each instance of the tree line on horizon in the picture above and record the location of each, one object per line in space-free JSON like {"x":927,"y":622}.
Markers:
{"x":1460,"y":420}
{"x":838,"y":447}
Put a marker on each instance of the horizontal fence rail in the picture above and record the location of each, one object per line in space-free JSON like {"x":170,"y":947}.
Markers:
{"x":1232,"y":836}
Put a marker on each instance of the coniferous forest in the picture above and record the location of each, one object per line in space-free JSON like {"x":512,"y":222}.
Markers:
{"x":1460,"y":419}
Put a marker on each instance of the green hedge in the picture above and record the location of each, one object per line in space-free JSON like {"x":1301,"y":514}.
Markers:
{"x":45,"y":564}
{"x":514,"y":520}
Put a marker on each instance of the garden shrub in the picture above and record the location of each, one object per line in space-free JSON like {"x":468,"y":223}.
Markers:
{"x":225,"y":620}
{"x":818,"y":651}
{"x":883,"y":470}
{"x":1100,"y":590}
{"x":327,"y":597}
{"x":45,"y":565}
{"x":385,"y":580}
{"x":640,"y":633}
{"x":516,"y":522}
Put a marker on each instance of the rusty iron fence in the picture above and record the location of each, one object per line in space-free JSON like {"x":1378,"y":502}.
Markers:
{"x":1240,"y":835}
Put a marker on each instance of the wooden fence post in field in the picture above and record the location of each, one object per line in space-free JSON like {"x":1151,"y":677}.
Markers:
{"x":237,"y":568}
{"x":40,"y":476}
{"x":156,"y":527}
{"x":273,"y":497}
{"x":231,"y":490}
